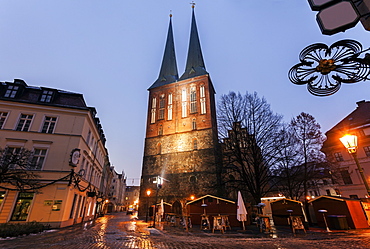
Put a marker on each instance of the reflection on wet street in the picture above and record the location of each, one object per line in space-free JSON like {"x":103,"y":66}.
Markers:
{"x":119,"y":231}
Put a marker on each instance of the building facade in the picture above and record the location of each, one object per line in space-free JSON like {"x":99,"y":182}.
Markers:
{"x":347,"y":179}
{"x":181,"y":153}
{"x":117,"y":194}
{"x":69,"y":154}
{"x":132,"y":197}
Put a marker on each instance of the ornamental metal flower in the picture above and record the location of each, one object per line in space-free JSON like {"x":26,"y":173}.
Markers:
{"x":325,"y":68}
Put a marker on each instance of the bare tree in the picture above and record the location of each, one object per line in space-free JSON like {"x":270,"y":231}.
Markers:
{"x":309,"y":140}
{"x":249,"y":131}
{"x":288,"y":176}
{"x":16,"y":169}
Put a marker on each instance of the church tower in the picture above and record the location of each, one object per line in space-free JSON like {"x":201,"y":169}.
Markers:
{"x":181,"y":145}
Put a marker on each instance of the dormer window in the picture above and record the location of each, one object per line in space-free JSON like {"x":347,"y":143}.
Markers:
{"x":46,"y":96}
{"x":11,"y":91}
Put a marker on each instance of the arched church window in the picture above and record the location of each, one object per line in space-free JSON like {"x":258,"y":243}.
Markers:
{"x":183,"y":104}
{"x":193,"y":100}
{"x":195,"y":144}
{"x":161,"y":107}
{"x":193,"y":179}
{"x":159,"y":148}
{"x":203,"y":108}
{"x":169,"y":108}
{"x":154,"y":104}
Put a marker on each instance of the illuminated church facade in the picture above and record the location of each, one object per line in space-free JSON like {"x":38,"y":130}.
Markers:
{"x":181,"y":144}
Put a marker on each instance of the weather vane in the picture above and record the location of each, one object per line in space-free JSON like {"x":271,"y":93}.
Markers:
{"x":192,"y":4}
{"x":325,"y":68}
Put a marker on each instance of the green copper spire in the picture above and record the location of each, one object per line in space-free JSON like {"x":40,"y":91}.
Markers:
{"x":168,"y":73}
{"x":195,"y":63}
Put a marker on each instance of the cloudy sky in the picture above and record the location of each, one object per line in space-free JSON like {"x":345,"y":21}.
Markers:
{"x":111,"y":51}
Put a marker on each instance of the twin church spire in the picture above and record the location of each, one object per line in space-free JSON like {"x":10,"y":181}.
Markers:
{"x":194,"y":64}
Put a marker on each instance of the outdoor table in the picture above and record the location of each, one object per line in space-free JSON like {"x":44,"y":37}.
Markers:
{"x":204,"y":223}
{"x":186,"y":221}
{"x":219,"y":223}
{"x":225,"y":221}
{"x":263,"y":223}
{"x":171,"y":219}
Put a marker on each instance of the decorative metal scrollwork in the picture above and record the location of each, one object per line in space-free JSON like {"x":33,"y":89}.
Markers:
{"x":325,"y":68}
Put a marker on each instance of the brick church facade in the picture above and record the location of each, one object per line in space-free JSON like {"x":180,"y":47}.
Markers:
{"x":181,"y":144}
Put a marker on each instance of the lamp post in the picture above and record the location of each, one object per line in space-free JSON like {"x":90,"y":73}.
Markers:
{"x":159,"y":182}
{"x":148,"y":192}
{"x":350,"y":142}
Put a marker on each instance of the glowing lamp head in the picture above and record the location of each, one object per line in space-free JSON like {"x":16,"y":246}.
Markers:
{"x":192,"y":197}
{"x":350,"y":142}
{"x":148,"y":192}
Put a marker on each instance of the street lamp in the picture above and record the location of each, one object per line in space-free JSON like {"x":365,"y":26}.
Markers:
{"x":350,"y":142}
{"x":148,"y":192}
{"x":159,"y":181}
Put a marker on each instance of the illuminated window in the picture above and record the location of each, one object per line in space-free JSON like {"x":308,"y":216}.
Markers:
{"x":22,"y":207}
{"x":11,"y":91}
{"x":24,"y":122}
{"x":193,"y":100}
{"x":183,"y":104}
{"x":3,"y":116}
{"x":154,"y":103}
{"x":203,"y":109}
{"x":49,"y":124}
{"x":46,"y":96}
{"x":161,"y":107}
{"x":169,"y":109}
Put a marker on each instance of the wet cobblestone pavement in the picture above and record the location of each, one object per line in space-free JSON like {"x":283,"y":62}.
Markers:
{"x":120,"y":231}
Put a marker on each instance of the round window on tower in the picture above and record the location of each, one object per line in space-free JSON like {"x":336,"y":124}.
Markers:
{"x":193,"y":179}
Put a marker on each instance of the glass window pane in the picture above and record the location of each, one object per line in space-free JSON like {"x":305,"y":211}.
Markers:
{"x":22,"y":207}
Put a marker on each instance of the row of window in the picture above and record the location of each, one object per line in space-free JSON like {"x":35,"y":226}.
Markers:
{"x":79,"y":206}
{"x":193,"y":127}
{"x":184,"y":104}
{"x":194,"y":145}
{"x":12,"y":91}
{"x":89,"y":172}
{"x":339,"y":158}
{"x":37,"y":160}
{"x":25,"y":120}
{"x":24,"y":200}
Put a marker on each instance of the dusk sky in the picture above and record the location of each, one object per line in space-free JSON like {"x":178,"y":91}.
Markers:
{"x":111,"y":52}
